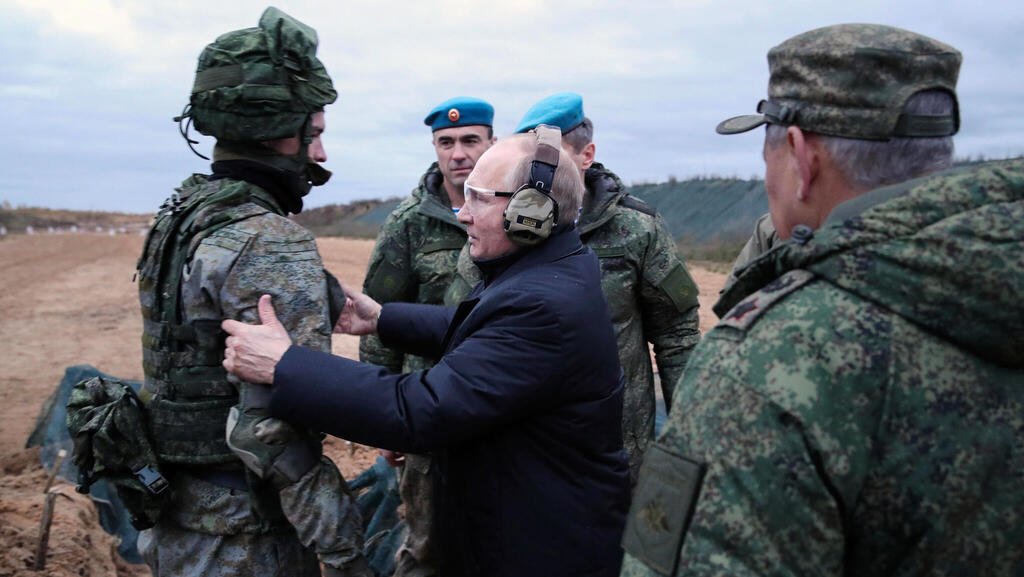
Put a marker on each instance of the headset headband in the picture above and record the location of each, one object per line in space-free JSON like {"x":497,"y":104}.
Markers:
{"x":542,"y":171}
{"x":532,"y":213}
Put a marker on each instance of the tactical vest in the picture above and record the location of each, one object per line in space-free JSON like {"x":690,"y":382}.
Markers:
{"x":186,"y":389}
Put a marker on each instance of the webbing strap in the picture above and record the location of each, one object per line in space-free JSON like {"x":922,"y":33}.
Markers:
{"x":194,"y":384}
{"x":257,"y":76}
{"x":168,"y":360}
{"x":218,"y":77}
{"x":926,"y":125}
{"x":204,"y":334}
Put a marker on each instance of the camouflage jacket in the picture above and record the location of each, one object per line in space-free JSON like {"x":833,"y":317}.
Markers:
{"x":413,"y":261}
{"x":258,"y":251}
{"x":264,"y":254}
{"x":650,"y":294}
{"x":860,"y":408}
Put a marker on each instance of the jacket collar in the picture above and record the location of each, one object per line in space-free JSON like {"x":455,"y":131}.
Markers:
{"x":933,"y":251}
{"x":604,"y":189}
{"x":434,"y":202}
{"x":564,"y":242}
{"x":789,"y":255}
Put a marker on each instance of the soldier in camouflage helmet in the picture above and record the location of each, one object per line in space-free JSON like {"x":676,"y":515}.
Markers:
{"x":649,"y":291}
{"x":414,"y":261}
{"x":251,"y":495}
{"x":859,"y":408}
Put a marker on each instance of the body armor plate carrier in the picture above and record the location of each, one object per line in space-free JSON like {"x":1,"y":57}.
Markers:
{"x":187,"y":390}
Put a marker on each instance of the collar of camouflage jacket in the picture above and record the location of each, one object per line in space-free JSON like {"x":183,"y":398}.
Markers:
{"x":604,"y":189}
{"x":434,"y":201}
{"x":945,"y":252}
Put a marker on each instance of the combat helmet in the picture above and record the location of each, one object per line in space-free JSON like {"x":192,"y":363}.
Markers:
{"x":259,"y":83}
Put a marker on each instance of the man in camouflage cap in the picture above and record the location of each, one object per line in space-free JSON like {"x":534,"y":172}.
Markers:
{"x":859,"y":409}
{"x":649,"y":291}
{"x":414,"y":261}
{"x":250,"y":494}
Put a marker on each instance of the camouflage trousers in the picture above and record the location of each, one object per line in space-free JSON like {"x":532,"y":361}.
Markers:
{"x":416,"y":556}
{"x":212,"y":530}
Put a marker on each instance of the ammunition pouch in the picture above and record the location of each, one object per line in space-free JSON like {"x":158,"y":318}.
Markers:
{"x":191,"y":432}
{"x":107,"y":423}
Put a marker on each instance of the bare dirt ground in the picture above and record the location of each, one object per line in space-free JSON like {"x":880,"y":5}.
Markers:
{"x":69,"y":300}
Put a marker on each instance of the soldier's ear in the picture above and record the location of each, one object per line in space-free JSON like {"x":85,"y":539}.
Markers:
{"x":588,"y":155}
{"x":804,"y":156}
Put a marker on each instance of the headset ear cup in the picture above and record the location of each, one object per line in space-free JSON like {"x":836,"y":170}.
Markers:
{"x":529,"y":216}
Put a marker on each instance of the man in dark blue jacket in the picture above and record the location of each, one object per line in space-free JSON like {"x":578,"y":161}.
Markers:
{"x":523,"y":410}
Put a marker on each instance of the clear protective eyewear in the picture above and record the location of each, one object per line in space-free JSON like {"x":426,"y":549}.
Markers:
{"x":475,"y":194}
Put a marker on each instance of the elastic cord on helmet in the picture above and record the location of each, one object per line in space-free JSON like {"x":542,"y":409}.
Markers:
{"x":184,"y":123}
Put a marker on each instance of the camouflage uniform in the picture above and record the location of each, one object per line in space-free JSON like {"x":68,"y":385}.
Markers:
{"x":211,"y":527}
{"x":862,"y":413}
{"x":650,"y":294}
{"x":414,"y":261}
{"x":761,"y":241}
{"x":251,"y":495}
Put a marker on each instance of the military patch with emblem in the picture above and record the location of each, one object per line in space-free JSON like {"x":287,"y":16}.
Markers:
{"x":743,"y":315}
{"x":662,"y":507}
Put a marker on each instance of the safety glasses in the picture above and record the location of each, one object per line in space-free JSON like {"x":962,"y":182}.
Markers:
{"x":476,"y":194}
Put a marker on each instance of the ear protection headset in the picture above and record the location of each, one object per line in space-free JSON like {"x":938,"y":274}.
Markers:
{"x":531,"y":212}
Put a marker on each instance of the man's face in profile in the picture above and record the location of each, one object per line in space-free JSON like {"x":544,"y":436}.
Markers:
{"x":290,"y":146}
{"x":483,"y":212}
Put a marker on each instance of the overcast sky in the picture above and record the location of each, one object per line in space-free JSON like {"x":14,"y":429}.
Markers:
{"x":88,"y":88}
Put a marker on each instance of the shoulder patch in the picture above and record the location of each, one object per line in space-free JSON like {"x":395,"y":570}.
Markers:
{"x":681,"y":288}
{"x":747,"y":311}
{"x":663,"y":505}
{"x":635,"y":203}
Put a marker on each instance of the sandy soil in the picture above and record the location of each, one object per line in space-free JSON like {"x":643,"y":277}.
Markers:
{"x":69,"y":300}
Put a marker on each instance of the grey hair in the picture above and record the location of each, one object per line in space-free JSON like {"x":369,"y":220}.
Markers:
{"x":873,"y":163}
{"x":567,"y":188}
{"x":580,"y":136}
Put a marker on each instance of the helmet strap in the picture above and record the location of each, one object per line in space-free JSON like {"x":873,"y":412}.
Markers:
{"x":184,"y":121}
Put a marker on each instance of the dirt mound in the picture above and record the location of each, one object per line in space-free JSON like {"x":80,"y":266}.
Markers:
{"x":77,"y":545}
{"x":70,"y":300}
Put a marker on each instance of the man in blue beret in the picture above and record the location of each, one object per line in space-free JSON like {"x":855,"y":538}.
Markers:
{"x":414,"y":261}
{"x":648,"y":289}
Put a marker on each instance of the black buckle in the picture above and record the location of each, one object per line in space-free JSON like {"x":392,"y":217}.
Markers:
{"x":777,"y":113}
{"x":151,"y":479}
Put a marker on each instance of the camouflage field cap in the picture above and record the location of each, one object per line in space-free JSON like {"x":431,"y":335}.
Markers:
{"x":260,"y":83}
{"x":852,"y":80}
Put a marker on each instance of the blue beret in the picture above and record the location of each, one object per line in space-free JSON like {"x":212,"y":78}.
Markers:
{"x":564,"y":110}
{"x":460,"y":111}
